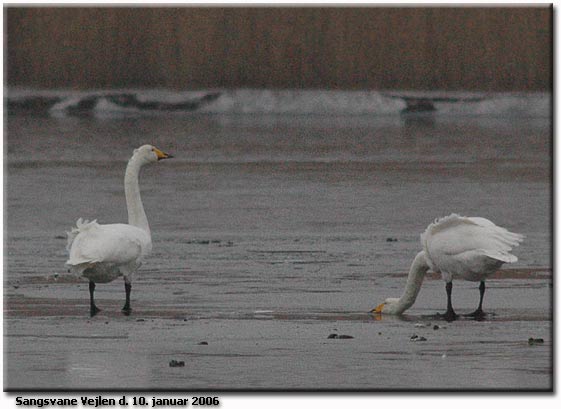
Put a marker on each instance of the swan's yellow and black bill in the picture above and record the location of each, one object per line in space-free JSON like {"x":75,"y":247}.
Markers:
{"x":378,"y":309}
{"x":162,"y":155}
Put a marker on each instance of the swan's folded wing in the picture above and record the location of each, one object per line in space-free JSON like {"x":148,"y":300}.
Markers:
{"x":461,"y":237}
{"x":112,"y":243}
{"x":473,"y":265}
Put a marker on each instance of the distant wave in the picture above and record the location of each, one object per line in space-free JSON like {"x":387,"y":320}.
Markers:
{"x":290,"y":102}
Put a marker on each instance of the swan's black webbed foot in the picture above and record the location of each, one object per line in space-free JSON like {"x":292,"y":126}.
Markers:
{"x":477,"y":315}
{"x":126,"y":310}
{"x":448,"y":316}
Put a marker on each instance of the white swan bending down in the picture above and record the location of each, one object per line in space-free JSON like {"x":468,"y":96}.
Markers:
{"x":471,"y":248}
{"x":103,"y":252}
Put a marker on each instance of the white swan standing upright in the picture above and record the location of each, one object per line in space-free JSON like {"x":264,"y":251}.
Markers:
{"x":103,"y":252}
{"x":470,"y":248}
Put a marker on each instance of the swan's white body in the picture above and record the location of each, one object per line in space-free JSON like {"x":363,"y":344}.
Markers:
{"x":470,"y":248}
{"x":103,"y":252}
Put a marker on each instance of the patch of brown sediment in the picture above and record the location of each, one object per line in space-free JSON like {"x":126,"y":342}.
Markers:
{"x":16,"y":306}
{"x":513,"y":274}
{"x":35,"y":307}
{"x":523,"y":273}
{"x":21,"y":306}
{"x":545,"y":273}
{"x":47,"y":279}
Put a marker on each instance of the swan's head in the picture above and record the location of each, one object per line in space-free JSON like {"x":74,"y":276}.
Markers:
{"x":389,"y":306}
{"x":149,"y":154}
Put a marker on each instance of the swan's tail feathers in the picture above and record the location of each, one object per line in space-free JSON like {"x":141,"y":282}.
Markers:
{"x":81,"y":226}
{"x":514,"y":238}
{"x":501,"y":256}
{"x":502,"y":240}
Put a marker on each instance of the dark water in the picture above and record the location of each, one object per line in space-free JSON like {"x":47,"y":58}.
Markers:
{"x":281,"y":218}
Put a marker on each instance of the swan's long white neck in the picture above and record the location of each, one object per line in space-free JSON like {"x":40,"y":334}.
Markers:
{"x":137,"y":217}
{"x":417,"y":272}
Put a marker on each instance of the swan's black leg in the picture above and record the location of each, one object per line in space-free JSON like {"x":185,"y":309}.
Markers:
{"x":93,"y":309}
{"x":127,"y":308}
{"x":449,"y":315}
{"x":478,"y":313}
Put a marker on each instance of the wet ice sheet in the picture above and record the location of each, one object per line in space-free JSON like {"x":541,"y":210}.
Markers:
{"x":283,"y":347}
{"x":269,"y":235}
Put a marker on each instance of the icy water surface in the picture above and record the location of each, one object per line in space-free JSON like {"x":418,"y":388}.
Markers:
{"x":271,"y":233}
